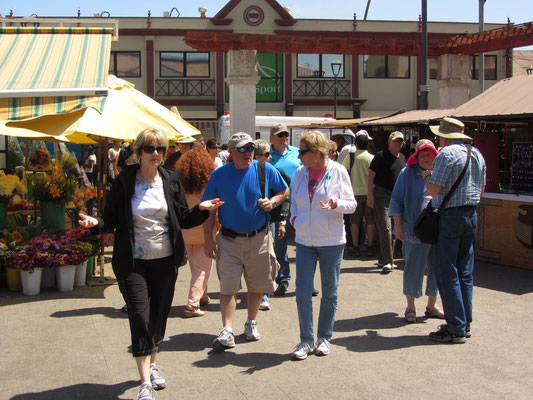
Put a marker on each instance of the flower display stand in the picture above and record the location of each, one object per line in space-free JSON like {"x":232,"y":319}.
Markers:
{"x":3,"y":215}
{"x":81,"y":274}
{"x":31,"y":281}
{"x":14,"y":283}
{"x":65,"y":278}
{"x":53,"y":215}
{"x":48,"y":280}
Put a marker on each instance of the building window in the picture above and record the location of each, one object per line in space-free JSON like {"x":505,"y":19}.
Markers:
{"x":490,"y":67}
{"x":433,"y":68}
{"x":318,"y":65}
{"x":125,"y":64}
{"x":386,"y":67}
{"x":181,"y":64}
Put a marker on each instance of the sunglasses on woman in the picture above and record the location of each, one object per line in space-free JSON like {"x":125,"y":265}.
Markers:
{"x":248,"y":149}
{"x":303,"y":151}
{"x":150,"y":149}
{"x":267,"y":154}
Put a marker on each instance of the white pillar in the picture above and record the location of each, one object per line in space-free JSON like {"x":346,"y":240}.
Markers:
{"x":454,"y":80}
{"x":242,"y":79}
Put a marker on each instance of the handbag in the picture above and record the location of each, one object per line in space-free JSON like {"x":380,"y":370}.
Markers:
{"x":426,"y":226}
{"x":281,"y":212}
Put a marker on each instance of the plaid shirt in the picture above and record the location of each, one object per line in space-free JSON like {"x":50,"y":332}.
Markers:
{"x":446,"y":169}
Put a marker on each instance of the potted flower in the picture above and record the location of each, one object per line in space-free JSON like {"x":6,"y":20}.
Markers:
{"x":12,"y":274}
{"x":9,"y":186}
{"x":79,"y":242}
{"x":30,"y":273}
{"x":53,"y":192}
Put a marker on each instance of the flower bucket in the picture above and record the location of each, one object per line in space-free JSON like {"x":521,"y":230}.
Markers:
{"x":14,"y":283}
{"x":65,"y":278}
{"x":3,"y":215}
{"x":53,"y":215}
{"x":81,"y":274}
{"x":48,"y":280}
{"x":90,"y":267}
{"x":31,"y":281}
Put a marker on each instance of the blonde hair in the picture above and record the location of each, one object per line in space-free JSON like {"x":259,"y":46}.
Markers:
{"x":147,"y":138}
{"x":316,"y":141}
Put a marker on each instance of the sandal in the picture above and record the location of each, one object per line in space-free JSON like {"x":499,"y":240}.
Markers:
{"x":410,"y":315}
{"x":434,"y":313}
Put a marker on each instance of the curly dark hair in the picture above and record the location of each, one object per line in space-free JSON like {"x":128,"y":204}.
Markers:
{"x":195,"y":167}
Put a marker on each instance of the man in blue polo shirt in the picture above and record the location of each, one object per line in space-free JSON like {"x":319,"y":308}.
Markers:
{"x":244,"y":245}
{"x":285,"y":158}
{"x":453,"y":254}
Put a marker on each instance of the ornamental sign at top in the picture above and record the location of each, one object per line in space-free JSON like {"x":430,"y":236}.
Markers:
{"x":253,"y":15}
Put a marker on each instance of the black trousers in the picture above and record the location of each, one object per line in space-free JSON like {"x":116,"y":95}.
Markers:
{"x":149,"y":292}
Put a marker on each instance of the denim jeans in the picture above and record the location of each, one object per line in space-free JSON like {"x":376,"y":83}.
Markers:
{"x":383,"y":223}
{"x":453,"y":259}
{"x":417,"y":262}
{"x":330,"y":258}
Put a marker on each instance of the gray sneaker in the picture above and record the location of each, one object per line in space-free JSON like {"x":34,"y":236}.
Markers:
{"x":322,"y":347}
{"x":146,"y":393}
{"x":250,"y":330}
{"x":158,"y":382}
{"x":225,"y":340}
{"x":303,"y":350}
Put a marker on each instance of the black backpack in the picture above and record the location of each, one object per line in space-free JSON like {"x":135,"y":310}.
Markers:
{"x":282,"y":210}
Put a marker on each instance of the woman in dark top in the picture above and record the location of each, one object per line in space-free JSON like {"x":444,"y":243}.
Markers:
{"x":146,"y":211}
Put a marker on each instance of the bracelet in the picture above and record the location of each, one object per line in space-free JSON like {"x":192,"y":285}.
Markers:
{"x":427,"y":176}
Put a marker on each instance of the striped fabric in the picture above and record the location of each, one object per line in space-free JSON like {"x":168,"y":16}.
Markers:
{"x":35,"y":59}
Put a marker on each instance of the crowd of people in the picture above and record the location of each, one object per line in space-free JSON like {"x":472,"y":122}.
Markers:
{"x":205,"y":206}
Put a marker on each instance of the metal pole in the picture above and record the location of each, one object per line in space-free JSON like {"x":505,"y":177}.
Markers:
{"x":424,"y":88}
{"x":481,"y":57}
{"x":335,"y":99}
{"x":367,"y":7}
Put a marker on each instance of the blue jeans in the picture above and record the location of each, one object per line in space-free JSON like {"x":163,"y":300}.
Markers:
{"x":417,"y":262}
{"x":453,"y":259}
{"x":330,"y":258}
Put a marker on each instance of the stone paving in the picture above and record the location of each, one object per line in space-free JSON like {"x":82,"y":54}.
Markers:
{"x":75,"y":345}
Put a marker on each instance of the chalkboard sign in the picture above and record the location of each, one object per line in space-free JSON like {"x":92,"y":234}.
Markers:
{"x":522,"y":172}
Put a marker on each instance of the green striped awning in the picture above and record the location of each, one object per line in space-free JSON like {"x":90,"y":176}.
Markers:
{"x":46,"y":70}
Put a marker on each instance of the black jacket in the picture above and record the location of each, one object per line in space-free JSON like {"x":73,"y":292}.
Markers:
{"x":118,"y":218}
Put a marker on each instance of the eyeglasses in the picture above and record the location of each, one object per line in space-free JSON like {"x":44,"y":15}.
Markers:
{"x":150,"y":149}
{"x":245,"y":149}
{"x":283,"y":134}
{"x":302,"y":152}
{"x":267,"y":154}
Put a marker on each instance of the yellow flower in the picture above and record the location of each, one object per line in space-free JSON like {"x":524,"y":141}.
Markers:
{"x":16,"y":236}
{"x":3,"y":241}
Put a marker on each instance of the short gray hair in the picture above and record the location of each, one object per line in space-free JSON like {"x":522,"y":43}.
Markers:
{"x":261,"y":147}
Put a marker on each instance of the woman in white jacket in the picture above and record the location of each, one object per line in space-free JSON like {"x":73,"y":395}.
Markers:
{"x":321,"y":195}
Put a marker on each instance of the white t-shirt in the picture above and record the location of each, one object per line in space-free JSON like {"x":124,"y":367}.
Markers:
{"x":90,"y":162}
{"x":150,"y":221}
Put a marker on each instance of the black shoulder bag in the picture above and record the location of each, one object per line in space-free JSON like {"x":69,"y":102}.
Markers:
{"x":282,"y":210}
{"x":426,"y":226}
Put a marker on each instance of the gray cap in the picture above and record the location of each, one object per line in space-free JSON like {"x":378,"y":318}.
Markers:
{"x":364,"y":134}
{"x":186,"y":139}
{"x":277,"y":129}
{"x":239,"y":139}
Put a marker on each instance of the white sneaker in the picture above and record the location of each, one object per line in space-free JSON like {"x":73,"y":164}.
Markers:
{"x":303,"y":350}
{"x":265,"y":305}
{"x":225,"y":340}
{"x":158,"y":382}
{"x":387,"y":268}
{"x":322,"y":347}
{"x":250,"y":330}
{"x":146,"y":393}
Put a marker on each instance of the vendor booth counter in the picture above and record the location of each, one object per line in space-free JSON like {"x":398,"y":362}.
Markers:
{"x":505,"y":230}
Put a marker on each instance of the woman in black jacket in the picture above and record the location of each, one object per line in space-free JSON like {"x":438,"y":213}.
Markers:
{"x":146,"y":211}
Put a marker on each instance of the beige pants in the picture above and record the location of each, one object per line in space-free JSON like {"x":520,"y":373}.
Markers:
{"x":200,"y":270}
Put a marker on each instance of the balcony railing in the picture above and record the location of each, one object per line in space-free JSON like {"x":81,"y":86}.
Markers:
{"x":321,"y":87}
{"x":185,"y":87}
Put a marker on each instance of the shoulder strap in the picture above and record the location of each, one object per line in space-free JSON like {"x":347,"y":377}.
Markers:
{"x":261,"y":177}
{"x":459,"y":178}
{"x":352,"y":159}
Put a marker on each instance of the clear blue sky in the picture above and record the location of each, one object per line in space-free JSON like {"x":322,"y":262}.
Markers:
{"x":496,"y":11}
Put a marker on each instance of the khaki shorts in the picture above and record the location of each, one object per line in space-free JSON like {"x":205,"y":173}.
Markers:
{"x":362,"y":210}
{"x":252,"y":257}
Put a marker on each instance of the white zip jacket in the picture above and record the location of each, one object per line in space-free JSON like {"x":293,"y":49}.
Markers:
{"x":314,"y":226}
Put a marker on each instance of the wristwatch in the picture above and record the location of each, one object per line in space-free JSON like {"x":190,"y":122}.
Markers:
{"x":274,"y":204}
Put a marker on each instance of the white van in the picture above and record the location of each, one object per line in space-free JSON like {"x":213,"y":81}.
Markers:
{"x":264,"y":123}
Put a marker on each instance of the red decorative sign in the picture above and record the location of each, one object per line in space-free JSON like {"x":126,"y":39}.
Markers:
{"x":253,"y":16}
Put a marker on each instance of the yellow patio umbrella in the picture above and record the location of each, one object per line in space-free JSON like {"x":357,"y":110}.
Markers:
{"x":126,"y":113}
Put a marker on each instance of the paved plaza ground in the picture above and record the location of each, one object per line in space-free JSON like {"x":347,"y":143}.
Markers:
{"x":75,"y":345}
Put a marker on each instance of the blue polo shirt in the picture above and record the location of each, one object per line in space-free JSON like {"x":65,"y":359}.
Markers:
{"x":239,"y":189}
{"x":287,"y":162}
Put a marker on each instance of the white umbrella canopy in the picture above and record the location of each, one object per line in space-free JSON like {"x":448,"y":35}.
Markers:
{"x":126,"y":113}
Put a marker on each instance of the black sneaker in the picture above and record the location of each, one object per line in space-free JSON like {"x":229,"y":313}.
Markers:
{"x":281,"y":289}
{"x":444,"y":335}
